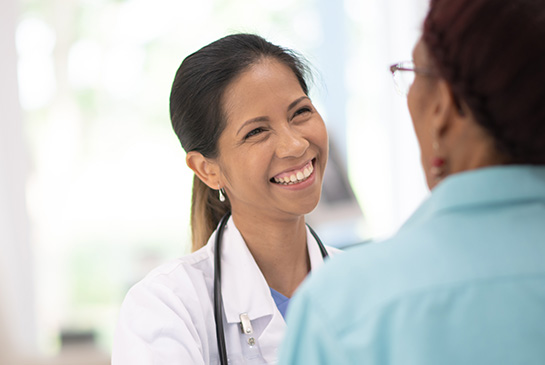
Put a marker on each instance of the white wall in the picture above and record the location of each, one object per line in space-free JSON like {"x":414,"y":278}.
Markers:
{"x":16,"y":291}
{"x":380,"y":146}
{"x":383,"y":155}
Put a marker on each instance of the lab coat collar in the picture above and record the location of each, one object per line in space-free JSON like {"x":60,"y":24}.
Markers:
{"x":244,"y":288}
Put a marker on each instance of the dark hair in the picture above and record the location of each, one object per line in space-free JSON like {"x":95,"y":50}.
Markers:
{"x":492,"y":53}
{"x":197,"y":114}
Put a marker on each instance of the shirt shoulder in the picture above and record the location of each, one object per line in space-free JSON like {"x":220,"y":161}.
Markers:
{"x":165,"y":316}
{"x":197,"y":260}
{"x":184,"y":278}
{"x":450,"y":252}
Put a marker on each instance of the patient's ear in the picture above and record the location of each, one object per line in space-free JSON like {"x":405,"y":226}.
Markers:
{"x":444,"y":109}
{"x":449,"y":114}
{"x":206,"y":169}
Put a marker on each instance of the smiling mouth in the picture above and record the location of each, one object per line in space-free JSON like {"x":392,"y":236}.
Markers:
{"x":294,"y":176}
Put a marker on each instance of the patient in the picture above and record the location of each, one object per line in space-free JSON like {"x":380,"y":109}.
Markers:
{"x":463,"y":281}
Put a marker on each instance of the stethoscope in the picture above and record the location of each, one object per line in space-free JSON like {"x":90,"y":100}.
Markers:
{"x":218,"y":300}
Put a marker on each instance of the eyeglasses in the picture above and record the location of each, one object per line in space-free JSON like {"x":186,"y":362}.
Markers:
{"x":404,"y":74}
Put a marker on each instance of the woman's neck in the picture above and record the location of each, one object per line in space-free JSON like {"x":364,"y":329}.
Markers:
{"x":279,"y":248}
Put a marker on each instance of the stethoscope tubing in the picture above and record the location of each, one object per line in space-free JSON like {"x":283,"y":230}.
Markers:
{"x":218,"y":299}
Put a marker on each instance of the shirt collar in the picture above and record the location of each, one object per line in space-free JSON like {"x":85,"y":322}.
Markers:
{"x":244,"y":288}
{"x":483,"y":187}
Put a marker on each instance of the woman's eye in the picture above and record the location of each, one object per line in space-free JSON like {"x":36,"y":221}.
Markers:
{"x":254,"y":132}
{"x":302,"y":111}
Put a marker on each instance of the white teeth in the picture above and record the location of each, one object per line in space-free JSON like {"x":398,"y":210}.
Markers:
{"x":295,"y":178}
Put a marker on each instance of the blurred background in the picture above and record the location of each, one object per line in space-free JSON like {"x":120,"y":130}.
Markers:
{"x":94,"y":191}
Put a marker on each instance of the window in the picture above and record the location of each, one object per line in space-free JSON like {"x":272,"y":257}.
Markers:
{"x":108,"y":191}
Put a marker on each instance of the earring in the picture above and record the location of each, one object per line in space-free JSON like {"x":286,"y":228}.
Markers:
{"x":437,"y":163}
{"x":221,"y":193}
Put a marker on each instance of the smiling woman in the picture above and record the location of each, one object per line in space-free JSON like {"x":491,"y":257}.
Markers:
{"x":258,"y":148}
{"x":272,"y":132}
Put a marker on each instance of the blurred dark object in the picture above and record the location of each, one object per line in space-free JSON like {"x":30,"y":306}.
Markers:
{"x":70,"y":338}
{"x":338,"y":219}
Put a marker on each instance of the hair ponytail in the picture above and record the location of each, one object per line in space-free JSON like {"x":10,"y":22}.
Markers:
{"x":206,"y":212}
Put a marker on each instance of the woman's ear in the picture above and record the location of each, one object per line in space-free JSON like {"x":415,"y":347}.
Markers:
{"x":206,"y":169}
{"x":448,"y":111}
{"x":444,"y":108}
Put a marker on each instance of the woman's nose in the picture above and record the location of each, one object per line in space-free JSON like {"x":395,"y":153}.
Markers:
{"x":291,"y":144}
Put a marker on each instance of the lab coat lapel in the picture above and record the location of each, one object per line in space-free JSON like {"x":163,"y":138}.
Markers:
{"x":244,"y":288}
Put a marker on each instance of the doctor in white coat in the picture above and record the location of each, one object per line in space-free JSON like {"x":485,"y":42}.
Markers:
{"x":258,"y":147}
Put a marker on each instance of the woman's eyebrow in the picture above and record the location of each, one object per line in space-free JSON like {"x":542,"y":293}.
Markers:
{"x":253,"y":120}
{"x":297,"y":101}
{"x":266,"y":119}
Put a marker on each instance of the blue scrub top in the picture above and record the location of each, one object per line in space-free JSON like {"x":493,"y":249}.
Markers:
{"x":281,"y":301}
{"x":463,"y":282}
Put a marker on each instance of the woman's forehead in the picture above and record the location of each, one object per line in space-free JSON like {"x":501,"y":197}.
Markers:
{"x":259,"y":82}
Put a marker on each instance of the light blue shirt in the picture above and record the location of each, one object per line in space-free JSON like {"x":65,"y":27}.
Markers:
{"x":463,"y":282}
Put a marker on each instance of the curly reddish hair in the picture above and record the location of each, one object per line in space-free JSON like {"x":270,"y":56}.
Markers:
{"x":492,"y":54}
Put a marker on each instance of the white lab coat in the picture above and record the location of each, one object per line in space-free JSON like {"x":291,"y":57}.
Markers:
{"x":168,"y":317}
